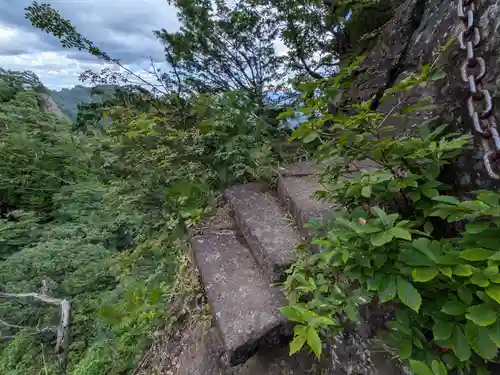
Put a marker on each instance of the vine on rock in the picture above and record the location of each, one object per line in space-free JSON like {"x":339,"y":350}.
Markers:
{"x":397,"y":236}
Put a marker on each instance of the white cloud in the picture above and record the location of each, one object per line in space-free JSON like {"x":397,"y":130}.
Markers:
{"x":122,"y":28}
{"x":55,"y":69}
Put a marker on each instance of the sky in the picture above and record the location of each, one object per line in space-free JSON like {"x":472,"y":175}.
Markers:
{"x":122,"y":28}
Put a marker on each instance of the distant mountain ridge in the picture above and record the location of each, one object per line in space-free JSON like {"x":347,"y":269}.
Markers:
{"x":68,"y":99}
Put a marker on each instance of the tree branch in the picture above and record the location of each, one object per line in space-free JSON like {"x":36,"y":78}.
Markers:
{"x":46,"y":329}
{"x":62,"y":342}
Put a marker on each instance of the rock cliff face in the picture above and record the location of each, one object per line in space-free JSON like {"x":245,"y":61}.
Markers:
{"x":48,"y":105}
{"x":415,"y":36}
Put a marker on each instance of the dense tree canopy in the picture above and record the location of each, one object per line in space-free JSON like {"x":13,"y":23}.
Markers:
{"x":221,"y":47}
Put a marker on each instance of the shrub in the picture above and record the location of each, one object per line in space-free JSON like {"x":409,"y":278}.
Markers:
{"x":398,"y":236}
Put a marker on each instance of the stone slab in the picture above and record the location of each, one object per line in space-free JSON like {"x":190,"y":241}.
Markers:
{"x":277,"y":361}
{"x":296,"y":193}
{"x":244,"y":305}
{"x":267,"y":227}
{"x":306,"y":168}
{"x":201,"y":352}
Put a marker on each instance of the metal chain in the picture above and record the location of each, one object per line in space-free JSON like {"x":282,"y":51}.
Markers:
{"x":473,"y":72}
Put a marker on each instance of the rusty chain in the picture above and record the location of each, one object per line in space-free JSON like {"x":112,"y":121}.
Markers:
{"x":473,"y":71}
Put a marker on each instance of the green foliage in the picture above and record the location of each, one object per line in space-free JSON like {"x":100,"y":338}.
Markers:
{"x":30,"y":172}
{"x":100,"y":214}
{"x":319,"y":33}
{"x":387,"y":241}
{"x":100,"y":217}
{"x":13,"y":81}
{"x":235,"y":40}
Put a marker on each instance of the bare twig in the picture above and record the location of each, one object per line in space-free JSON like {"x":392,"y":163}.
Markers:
{"x":45,"y":329}
{"x":3,"y":322}
{"x":157,"y":75}
{"x":393,"y":109}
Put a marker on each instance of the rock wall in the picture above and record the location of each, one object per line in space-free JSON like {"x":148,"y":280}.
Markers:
{"x":415,"y":36}
{"x":47,"y":104}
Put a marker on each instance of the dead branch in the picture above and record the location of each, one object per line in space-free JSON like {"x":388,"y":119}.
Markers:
{"x":3,"y":322}
{"x":62,"y":342}
{"x":37,"y":330}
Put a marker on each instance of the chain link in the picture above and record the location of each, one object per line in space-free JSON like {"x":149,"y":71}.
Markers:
{"x":473,"y":71}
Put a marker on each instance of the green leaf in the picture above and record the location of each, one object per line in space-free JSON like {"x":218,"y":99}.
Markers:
{"x":495,"y":256}
{"x":293,"y":314}
{"x":477,"y":227}
{"x":446,"y":271}
{"x":494,"y":293}
{"x":443,"y":213}
{"x":430,"y":193}
{"x":415,"y":258}
{"x":399,"y":232}
{"x":494,"y":333}
{"x":297,"y":343}
{"x":311,"y":137}
{"x":428,"y":227}
{"x":460,"y":345}
{"x":399,"y":327}
{"x":449,"y":259}
{"x":417,"y":342}
{"x":387,"y":290}
{"x":476,"y":254}
{"x":379,"y":260}
{"x":488,"y":242}
{"x":437,"y":75}
{"x":351,"y":311}
{"x":432,"y":171}
{"x":366,"y":191}
{"x":479,"y":280}
{"x":480,"y":341}
{"x":454,"y":307}
{"x":465,"y":295}
{"x":439,"y":368}
{"x":491,"y":272}
{"x":474,"y":205}
{"x":314,"y":341}
{"x":462,"y":270}
{"x":484,"y":345}
{"x":482,"y":315}
{"x":423,"y":275}
{"x":380,"y":239}
{"x":482,"y":371}
{"x":405,"y":349}
{"x":446,"y":199}
{"x":425,"y":247}
{"x":380,"y":213}
{"x":489,"y":197}
{"x":443,"y":330}
{"x":420,"y":368}
{"x":408,"y":294}
{"x":322,"y":321}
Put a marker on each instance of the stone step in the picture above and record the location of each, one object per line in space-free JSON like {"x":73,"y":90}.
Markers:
{"x":296,"y":194}
{"x":268,"y":228}
{"x":244,"y":305}
{"x":306,"y":168}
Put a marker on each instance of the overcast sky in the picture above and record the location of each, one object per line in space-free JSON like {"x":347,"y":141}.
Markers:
{"x":122,"y":28}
